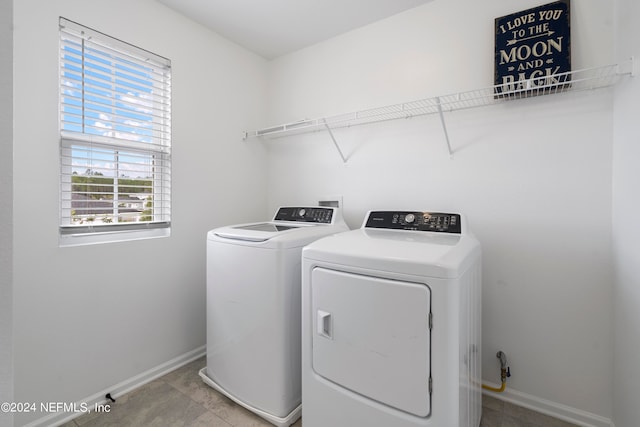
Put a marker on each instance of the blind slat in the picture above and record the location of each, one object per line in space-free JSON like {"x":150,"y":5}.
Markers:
{"x":72,"y":30}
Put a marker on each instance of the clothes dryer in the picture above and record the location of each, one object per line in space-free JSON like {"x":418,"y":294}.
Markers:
{"x":253,"y":309}
{"x":391,"y":318}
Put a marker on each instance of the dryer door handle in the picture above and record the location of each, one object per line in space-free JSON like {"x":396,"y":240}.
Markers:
{"x":324,"y":324}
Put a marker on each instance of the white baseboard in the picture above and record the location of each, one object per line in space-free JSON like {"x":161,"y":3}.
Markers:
{"x":121,"y":388}
{"x":553,"y":409}
{"x":547,"y":407}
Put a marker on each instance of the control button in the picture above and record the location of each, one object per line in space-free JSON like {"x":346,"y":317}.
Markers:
{"x":409,"y":218}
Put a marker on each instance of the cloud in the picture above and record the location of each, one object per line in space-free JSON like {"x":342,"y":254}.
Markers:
{"x":141,"y":103}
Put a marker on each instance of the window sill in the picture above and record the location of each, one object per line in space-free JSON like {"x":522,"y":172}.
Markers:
{"x":83,"y":239}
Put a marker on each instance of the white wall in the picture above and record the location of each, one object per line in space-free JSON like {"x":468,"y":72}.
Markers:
{"x":626,"y":229}
{"x":86,"y":318}
{"x":534,"y":178}
{"x":6,"y":207}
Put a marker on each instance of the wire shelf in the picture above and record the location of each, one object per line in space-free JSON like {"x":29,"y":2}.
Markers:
{"x":572,"y":81}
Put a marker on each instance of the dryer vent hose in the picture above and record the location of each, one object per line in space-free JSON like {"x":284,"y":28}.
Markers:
{"x":505,"y":372}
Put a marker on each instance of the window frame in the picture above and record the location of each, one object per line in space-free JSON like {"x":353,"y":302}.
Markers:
{"x":148,"y":140}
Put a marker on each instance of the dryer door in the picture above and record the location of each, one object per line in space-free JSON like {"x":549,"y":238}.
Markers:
{"x":371,"y":336}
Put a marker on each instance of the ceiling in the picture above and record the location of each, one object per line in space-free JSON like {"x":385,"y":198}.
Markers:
{"x":272,"y":28}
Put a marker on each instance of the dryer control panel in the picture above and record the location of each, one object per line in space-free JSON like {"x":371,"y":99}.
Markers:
{"x":420,"y":221}
{"x":305,"y":214}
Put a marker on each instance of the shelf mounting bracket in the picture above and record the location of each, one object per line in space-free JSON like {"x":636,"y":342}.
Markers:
{"x":333,"y":138}
{"x":444,"y":125}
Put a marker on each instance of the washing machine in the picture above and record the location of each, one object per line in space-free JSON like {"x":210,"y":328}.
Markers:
{"x":391,"y":318}
{"x":253,"y":309}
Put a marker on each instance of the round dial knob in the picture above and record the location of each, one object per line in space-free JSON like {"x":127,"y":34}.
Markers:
{"x":301,"y":212}
{"x":409,"y":218}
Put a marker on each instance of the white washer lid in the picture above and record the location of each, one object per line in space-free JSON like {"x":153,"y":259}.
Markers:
{"x":295,"y":235}
{"x":290,"y":227}
{"x":254,"y":232}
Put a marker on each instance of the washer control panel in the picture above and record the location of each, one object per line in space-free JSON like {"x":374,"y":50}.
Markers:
{"x":421,"y":221}
{"x":305,"y":214}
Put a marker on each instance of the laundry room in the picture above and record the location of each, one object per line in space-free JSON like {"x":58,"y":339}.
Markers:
{"x":546,"y":184}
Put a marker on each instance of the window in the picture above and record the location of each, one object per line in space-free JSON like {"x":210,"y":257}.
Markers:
{"x":115,"y":139}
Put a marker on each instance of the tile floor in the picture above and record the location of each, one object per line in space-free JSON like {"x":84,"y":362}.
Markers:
{"x":181,"y":398}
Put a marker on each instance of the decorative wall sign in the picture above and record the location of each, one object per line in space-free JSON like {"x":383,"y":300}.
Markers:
{"x":533,"y":49}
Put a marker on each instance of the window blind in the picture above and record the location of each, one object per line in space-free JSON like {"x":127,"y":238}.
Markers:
{"x":115,"y":134}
